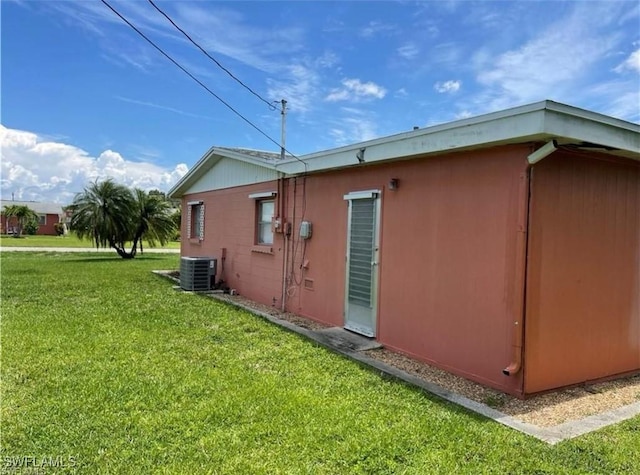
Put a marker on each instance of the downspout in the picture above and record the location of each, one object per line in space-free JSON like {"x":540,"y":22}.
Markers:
{"x":524,"y":196}
{"x":285,"y":241}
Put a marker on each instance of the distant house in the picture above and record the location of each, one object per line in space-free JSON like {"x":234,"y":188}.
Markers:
{"x":48,"y":213}
{"x":504,"y":248}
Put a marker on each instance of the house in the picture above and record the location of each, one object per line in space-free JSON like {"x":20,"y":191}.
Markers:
{"x":48,"y":213}
{"x":503,"y":248}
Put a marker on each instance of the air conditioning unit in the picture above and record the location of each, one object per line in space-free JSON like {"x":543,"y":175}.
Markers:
{"x":197,"y":273}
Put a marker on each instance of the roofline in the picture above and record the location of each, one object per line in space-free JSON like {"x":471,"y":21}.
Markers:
{"x":205,"y":163}
{"x":539,"y":121}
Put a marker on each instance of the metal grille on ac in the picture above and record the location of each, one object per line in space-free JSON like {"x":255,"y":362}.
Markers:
{"x":361,"y":251}
{"x":195,"y":273}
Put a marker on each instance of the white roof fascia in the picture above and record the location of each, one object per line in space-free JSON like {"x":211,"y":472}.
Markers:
{"x":205,"y":163}
{"x":244,"y":158}
{"x":623,"y":137}
{"x":540,"y":121}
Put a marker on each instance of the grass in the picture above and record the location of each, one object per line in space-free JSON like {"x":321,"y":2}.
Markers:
{"x":106,"y":366}
{"x":70,"y":240}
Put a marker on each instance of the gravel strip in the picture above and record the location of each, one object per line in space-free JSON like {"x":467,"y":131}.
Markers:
{"x":545,"y":410}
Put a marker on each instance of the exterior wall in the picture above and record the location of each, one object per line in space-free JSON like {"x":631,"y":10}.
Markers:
{"x":583,"y":285}
{"x":448,"y":285}
{"x":254,"y":271}
{"x":47,"y":229}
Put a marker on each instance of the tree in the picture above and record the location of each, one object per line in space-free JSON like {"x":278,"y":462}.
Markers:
{"x":161,"y":194}
{"x":111,"y":215}
{"x":23,"y":215}
{"x":153,"y":217}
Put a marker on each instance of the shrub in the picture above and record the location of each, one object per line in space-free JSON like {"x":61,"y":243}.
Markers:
{"x":31,"y":227}
{"x":59,"y":227}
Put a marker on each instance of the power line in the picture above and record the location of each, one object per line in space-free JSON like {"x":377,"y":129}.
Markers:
{"x":271,"y":106}
{"x":184,"y":70}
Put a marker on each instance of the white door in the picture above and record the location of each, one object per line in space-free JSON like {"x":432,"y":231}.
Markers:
{"x":362,"y":262}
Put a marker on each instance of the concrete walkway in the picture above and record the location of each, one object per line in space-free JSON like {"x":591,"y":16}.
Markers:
{"x":82,"y":249}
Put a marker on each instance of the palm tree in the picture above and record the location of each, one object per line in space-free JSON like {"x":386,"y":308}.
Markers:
{"x":153,"y":217}
{"x":22,"y":213}
{"x":103,"y":212}
{"x":112,"y":215}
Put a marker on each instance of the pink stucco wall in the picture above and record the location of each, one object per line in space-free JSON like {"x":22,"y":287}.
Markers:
{"x":449,"y":285}
{"x":254,"y":271}
{"x":450,"y":282}
{"x":583,"y":293}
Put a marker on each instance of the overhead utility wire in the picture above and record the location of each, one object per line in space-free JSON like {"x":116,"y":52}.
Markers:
{"x":271,"y":106}
{"x":166,"y":55}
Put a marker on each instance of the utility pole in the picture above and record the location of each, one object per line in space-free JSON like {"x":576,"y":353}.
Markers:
{"x":285,"y":237}
{"x":283,"y":112}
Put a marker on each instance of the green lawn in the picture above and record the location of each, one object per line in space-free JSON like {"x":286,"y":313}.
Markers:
{"x":59,"y":241}
{"x":103,"y":362}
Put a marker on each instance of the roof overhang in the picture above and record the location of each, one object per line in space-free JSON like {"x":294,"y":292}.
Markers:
{"x":208,"y":161}
{"x":539,"y":122}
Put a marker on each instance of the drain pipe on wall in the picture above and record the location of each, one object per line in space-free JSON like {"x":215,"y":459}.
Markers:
{"x":524,"y":196}
{"x":285,"y":241}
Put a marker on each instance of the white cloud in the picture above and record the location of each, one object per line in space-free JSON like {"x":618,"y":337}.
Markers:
{"x":631,"y":63}
{"x":299,"y":82}
{"x":161,"y":107}
{"x":618,"y":98}
{"x":375,"y":28}
{"x":226,"y":31}
{"x":447,"y":86}
{"x":298,"y":86}
{"x":465,"y":114}
{"x":356,"y":126}
{"x":355,"y":90}
{"x":34,"y":168}
{"x":551,"y":64}
{"x":219,"y":30}
{"x":408,"y":51}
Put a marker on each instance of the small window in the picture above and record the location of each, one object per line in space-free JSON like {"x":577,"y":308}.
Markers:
{"x":42,"y":219}
{"x":265,"y":209}
{"x":195,"y":220}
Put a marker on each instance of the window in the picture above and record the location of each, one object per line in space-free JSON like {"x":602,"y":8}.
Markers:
{"x":195,"y":220}
{"x":42,"y":219}
{"x":265,"y":209}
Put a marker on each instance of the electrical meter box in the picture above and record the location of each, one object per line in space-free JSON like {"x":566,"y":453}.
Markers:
{"x":305,"y":229}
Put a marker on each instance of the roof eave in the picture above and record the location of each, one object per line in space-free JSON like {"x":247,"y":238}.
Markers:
{"x":535,"y":122}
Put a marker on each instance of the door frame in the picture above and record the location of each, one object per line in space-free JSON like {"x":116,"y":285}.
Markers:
{"x":376,"y":195}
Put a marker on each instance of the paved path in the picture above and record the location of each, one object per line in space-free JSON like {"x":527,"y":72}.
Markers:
{"x":82,"y":249}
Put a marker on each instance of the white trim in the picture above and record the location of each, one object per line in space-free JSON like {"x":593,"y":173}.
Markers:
{"x":193,"y":203}
{"x":539,"y":122}
{"x":534,"y":123}
{"x":264,"y":194}
{"x":360,"y":195}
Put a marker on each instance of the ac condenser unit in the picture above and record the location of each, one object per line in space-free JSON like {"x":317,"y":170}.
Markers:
{"x":197,"y":273}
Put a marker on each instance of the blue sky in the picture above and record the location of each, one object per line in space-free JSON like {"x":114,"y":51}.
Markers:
{"x":85,"y":97}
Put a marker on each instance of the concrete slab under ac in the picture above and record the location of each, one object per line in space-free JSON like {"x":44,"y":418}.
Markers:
{"x":352,"y":345}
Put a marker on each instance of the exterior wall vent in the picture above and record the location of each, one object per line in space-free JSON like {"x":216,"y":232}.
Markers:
{"x":197,"y":273}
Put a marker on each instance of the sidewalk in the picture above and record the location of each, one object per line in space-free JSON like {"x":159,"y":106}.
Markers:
{"x":82,"y":249}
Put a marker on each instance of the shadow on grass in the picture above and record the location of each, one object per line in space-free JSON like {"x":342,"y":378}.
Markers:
{"x":95,"y":257}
